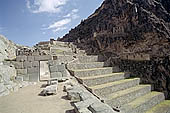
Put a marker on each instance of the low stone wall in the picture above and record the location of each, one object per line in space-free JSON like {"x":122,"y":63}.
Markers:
{"x":28,"y":67}
{"x":155,"y":72}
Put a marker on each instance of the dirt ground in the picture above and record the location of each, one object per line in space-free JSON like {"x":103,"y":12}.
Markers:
{"x":26,"y":100}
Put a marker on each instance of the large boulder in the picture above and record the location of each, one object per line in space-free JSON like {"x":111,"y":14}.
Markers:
{"x":7,"y":73}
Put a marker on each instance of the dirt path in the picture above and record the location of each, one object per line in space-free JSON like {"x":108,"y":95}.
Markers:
{"x":28,"y":101}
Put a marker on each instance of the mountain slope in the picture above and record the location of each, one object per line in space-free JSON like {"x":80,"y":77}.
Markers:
{"x":119,"y":26}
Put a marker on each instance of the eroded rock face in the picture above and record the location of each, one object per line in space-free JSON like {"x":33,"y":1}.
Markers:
{"x":7,"y":70}
{"x":120,"y":26}
{"x":7,"y":49}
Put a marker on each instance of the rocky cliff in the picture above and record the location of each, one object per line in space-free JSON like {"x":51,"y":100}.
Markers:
{"x":7,"y":71}
{"x":7,"y":49}
{"x":121,"y":26}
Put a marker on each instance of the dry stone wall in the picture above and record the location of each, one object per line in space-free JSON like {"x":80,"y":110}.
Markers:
{"x":28,"y":67}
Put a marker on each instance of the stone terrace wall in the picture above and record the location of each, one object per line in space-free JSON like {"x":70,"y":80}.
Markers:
{"x":58,"y":66}
{"x":155,"y":71}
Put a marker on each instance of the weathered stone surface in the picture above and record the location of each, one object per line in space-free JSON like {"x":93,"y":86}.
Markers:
{"x":2,"y":88}
{"x":83,"y":110}
{"x":54,"y":62}
{"x":49,"y":90}
{"x":43,"y":58}
{"x":7,"y":73}
{"x":7,"y":49}
{"x":21,"y":71}
{"x":56,"y":75}
{"x":35,"y":64}
{"x":18,"y":65}
{"x":74,"y":94}
{"x":101,"y":108}
{"x":30,"y":58}
{"x":33,"y":70}
{"x":27,"y":64}
{"x":26,"y":77}
{"x":53,"y":69}
{"x":34,"y":77}
{"x":21,"y":58}
{"x":19,"y":78}
{"x":61,"y":67}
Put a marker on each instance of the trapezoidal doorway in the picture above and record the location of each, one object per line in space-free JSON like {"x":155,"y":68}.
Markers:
{"x":44,"y":70}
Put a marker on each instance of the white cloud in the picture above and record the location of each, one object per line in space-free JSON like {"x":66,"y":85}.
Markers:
{"x":59,"y":25}
{"x":59,"y":29}
{"x":49,"y":6}
{"x":72,"y":14}
{"x":43,"y":33}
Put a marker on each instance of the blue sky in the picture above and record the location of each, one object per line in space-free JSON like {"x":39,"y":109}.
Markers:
{"x":28,"y":22}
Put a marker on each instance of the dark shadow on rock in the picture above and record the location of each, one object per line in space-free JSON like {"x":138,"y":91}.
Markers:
{"x":70,"y":111}
{"x":43,"y":85}
{"x":64,"y":97}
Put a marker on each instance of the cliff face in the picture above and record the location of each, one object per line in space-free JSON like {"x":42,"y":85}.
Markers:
{"x":7,"y":49}
{"x":120,"y":26}
{"x":7,"y":72}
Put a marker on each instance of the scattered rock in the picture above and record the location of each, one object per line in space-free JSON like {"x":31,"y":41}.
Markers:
{"x":49,"y":90}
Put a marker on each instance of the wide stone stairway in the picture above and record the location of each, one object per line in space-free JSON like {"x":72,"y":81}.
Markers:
{"x":117,"y":89}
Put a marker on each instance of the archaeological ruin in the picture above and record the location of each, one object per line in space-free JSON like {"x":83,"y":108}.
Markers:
{"x":115,"y":61}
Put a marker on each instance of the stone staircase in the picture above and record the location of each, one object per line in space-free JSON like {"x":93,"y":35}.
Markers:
{"x":117,"y":89}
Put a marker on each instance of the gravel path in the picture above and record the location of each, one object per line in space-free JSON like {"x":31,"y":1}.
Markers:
{"x":28,"y":101}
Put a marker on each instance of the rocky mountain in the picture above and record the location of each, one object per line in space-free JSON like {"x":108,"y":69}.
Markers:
{"x":121,"y":26}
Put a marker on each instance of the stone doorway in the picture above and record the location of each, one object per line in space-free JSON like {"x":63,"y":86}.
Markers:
{"x":44,"y":70}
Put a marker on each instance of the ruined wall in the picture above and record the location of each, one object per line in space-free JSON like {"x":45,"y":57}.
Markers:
{"x":155,"y":72}
{"x":28,"y":67}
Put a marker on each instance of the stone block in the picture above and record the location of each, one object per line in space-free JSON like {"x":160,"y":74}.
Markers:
{"x":63,"y":59}
{"x":35,"y":64}
{"x":19,"y":78}
{"x":26,"y":77}
{"x":8,"y":63}
{"x":73,"y":95}
{"x":33,"y":70}
{"x":30,"y":58}
{"x":65,"y":73}
{"x":83,"y":110}
{"x":53,"y":62}
{"x":56,"y":75}
{"x":61,"y":67}
{"x":34,"y":77}
{"x":43,"y":58}
{"x":53,"y":69}
{"x":27,"y":64}
{"x":21,"y":71}
{"x":18,"y":65}
{"x":100,"y":107}
{"x":21,"y":58}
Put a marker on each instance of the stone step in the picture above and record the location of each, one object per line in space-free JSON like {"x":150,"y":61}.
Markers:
{"x":111,"y":87}
{"x":102,"y":79}
{"x":163,"y":107}
{"x":86,"y":65}
{"x":84,"y":59}
{"x":143,"y":103}
{"x":91,"y":72}
{"x":122,"y":97}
